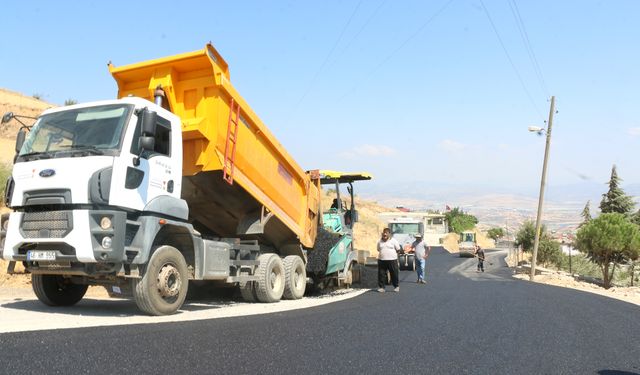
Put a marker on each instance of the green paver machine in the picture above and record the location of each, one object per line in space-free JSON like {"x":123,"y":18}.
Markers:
{"x":333,"y":255}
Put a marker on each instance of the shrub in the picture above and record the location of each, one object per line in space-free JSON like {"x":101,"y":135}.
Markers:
{"x":5,"y":172}
{"x":549,"y":252}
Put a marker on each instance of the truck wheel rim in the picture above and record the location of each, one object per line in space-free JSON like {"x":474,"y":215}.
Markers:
{"x":274,"y":279}
{"x":298,"y":280}
{"x":169,"y":282}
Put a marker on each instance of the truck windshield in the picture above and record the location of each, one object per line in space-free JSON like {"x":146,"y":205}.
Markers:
{"x":92,"y":131}
{"x":405,"y":228}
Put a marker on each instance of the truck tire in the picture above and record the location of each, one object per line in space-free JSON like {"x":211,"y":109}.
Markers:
{"x":295,"y":277}
{"x":54,"y":290}
{"x":164,"y":284}
{"x":248,"y":292}
{"x":270,"y":283}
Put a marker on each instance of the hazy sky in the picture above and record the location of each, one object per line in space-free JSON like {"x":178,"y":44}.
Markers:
{"x":435,"y":91}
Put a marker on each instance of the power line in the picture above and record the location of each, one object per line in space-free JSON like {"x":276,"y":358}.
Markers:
{"x":404,"y":43}
{"x":527,"y":44}
{"x":315,"y":76}
{"x":359,"y":32}
{"x":524,"y":87}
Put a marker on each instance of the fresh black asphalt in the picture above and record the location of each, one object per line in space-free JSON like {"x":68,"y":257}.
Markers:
{"x":461,"y":321}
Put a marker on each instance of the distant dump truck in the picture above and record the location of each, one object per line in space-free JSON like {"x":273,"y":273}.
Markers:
{"x":176,"y":180}
{"x":467,"y":244}
{"x":404,"y":229}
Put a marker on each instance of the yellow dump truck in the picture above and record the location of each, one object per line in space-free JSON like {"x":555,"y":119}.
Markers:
{"x":176,"y":180}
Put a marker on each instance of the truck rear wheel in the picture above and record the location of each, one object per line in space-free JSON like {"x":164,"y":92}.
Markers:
{"x":163,"y":287}
{"x":270,"y":283}
{"x":248,"y":292}
{"x":53,"y":290}
{"x":295,"y":277}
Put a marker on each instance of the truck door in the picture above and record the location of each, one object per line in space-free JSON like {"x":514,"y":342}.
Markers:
{"x":139,"y":176}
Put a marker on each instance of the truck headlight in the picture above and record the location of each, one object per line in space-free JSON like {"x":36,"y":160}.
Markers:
{"x":106,"y":242}
{"x":105,"y":223}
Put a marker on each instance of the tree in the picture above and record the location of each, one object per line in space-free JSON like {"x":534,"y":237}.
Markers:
{"x":527,"y":233}
{"x":549,"y":251}
{"x":609,"y":240}
{"x":615,"y":200}
{"x":635,"y":218}
{"x":586,"y":214}
{"x":459,"y":221}
{"x":495,"y":233}
{"x":70,"y":102}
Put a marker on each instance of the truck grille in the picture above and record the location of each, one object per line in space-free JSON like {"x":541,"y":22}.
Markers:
{"x":50,"y":224}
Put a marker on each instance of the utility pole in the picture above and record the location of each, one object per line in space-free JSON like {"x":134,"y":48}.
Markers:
{"x":536,"y":241}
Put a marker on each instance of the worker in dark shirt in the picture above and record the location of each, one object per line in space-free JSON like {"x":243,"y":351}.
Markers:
{"x":479,"y":253}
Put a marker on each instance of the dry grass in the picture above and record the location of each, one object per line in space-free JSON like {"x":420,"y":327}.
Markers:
{"x":21,"y":105}
{"x":13,"y":281}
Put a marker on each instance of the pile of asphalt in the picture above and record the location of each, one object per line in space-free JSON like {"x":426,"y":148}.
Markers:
{"x":318,"y":256}
{"x":365,"y":276}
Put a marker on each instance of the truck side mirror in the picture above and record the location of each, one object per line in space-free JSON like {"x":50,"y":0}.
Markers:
{"x":149,"y":119}
{"x":354,"y":216}
{"x":147,"y":140}
{"x":7,"y":117}
{"x":146,"y":143}
{"x":20,"y":139}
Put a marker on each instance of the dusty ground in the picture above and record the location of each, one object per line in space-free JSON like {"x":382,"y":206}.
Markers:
{"x":564,"y":280}
{"x":20,"y":105}
{"x":25,"y":313}
{"x":628,"y":294}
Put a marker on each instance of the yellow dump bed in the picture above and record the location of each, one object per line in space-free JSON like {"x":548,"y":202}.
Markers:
{"x":238,"y":179}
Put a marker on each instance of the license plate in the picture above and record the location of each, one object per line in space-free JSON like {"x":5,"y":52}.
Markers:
{"x":41,"y":255}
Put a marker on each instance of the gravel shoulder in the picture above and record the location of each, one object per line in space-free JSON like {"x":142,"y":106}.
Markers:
{"x":21,"y":311}
{"x":627,"y":294}
{"x":565,"y":280}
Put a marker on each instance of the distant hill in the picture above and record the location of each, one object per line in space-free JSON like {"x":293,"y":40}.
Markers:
{"x":496,"y":206}
{"x":21,"y":105}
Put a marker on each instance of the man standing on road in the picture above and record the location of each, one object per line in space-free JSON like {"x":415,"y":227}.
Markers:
{"x":480,"y":254}
{"x":388,"y":260}
{"x":421,"y":251}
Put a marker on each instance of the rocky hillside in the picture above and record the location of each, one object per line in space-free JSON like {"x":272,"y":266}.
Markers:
{"x":20,"y":105}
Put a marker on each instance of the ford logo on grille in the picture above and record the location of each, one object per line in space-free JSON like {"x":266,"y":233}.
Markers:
{"x":47,"y":173}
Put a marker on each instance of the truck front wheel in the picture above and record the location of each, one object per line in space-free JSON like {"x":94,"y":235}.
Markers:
{"x":163,"y":287}
{"x":295,"y":277}
{"x":270,"y":274}
{"x":56,"y":290}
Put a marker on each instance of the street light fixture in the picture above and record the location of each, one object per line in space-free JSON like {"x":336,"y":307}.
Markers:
{"x":536,"y":129}
{"x":536,"y":241}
